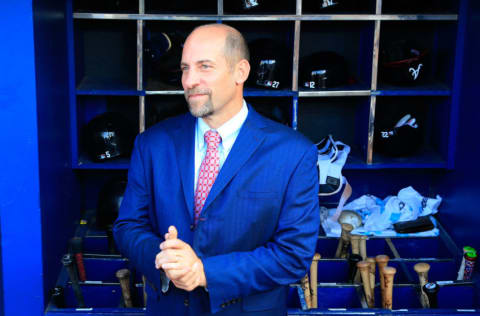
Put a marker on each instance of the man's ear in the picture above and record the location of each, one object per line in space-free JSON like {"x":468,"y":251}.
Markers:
{"x":242,"y":69}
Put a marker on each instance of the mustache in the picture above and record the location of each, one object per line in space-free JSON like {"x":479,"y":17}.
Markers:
{"x":198,"y":91}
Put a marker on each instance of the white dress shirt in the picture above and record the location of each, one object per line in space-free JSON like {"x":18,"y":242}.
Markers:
{"x":228,"y":132}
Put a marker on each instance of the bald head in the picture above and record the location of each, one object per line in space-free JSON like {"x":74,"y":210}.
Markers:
{"x":235,"y":46}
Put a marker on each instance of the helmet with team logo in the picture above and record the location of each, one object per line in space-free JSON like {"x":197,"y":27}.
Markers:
{"x":323,"y":70}
{"x":270,"y":64}
{"x":403,"y":62}
{"x":109,"y":135}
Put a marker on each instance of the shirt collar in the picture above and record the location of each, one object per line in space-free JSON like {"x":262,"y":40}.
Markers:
{"x":227,"y":131}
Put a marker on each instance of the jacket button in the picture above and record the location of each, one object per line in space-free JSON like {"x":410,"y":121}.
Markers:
{"x":192,"y":227}
{"x":185,"y":302}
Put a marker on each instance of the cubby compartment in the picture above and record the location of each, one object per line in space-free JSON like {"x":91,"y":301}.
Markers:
{"x":107,"y":6}
{"x":250,"y":7}
{"x":161,"y":107}
{"x":335,"y":55}
{"x":278,"y":109}
{"x":335,"y":297}
{"x":338,"y":7}
{"x":423,"y":247}
{"x":105,"y":123}
{"x":162,"y":53}
{"x":345,"y":118}
{"x":422,"y":143}
{"x":181,"y":7}
{"x":105,"y":55}
{"x":271,"y":55}
{"x":420,"y":7}
{"x":416,"y":57}
{"x":461,"y":296}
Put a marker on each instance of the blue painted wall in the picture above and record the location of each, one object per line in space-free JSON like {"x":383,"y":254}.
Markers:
{"x":461,"y":188}
{"x":19,"y":176}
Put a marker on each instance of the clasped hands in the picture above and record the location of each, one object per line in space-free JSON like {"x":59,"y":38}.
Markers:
{"x":180,"y":263}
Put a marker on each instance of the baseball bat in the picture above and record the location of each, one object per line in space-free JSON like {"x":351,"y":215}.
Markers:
{"x":422,"y":269}
{"x":353,"y":259}
{"x":388,"y":275}
{"x":462,"y":265}
{"x":313,"y":280}
{"x":364,"y":268}
{"x":68,"y":264}
{"x":144,"y":280}
{"x":431,"y":290}
{"x":346,"y":229}
{"x":371,"y":263}
{"x":382,"y":261}
{"x":58,"y":297}
{"x":355,"y":244}
{"x":123,"y":276}
{"x":363,"y":247}
{"x":76,"y":246}
{"x":305,"y":284}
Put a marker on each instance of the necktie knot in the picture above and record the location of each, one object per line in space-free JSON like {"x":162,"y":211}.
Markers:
{"x":212,"y":139}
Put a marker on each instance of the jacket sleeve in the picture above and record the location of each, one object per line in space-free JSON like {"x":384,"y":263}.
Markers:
{"x":132,"y":230}
{"x":282,"y":260}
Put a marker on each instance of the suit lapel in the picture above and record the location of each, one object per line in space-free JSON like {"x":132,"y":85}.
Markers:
{"x":248,"y":140}
{"x":184,"y":140}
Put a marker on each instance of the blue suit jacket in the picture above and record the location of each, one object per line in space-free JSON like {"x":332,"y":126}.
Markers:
{"x":258,"y":228}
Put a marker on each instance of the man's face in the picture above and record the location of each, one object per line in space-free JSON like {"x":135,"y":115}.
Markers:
{"x":207,"y":80}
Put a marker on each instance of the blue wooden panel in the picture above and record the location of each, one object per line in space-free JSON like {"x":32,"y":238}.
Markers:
{"x":19,"y":179}
{"x":58,"y":187}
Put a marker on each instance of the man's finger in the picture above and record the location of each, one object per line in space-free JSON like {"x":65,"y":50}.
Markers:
{"x":172,"y":244}
{"x":174,"y":266}
{"x":172,"y":232}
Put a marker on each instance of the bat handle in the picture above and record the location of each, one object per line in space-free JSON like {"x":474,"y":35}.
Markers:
{"x":364,"y":268}
{"x":76,"y":249}
{"x":371,"y":270}
{"x":363,"y":247}
{"x":431,"y":290}
{"x":123,"y":276}
{"x":68,"y":264}
{"x":422,"y":269}
{"x":144,"y":280}
{"x":382,"y":261}
{"x":305,"y":284}
{"x":355,"y":242}
{"x":353,"y":259}
{"x":388,"y":275}
{"x":313,"y":280}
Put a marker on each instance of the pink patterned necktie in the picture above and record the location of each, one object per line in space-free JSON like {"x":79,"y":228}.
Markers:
{"x":208,"y":171}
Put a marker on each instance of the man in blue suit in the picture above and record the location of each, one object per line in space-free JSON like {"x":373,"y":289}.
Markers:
{"x":221,"y":211}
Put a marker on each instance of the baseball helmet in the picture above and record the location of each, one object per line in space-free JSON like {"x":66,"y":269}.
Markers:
{"x":163,"y":53}
{"x":327,"y":6}
{"x":270,"y":64}
{"x":402,"y":139}
{"x":109,"y":135}
{"x":403,"y":62}
{"x":109,"y":201}
{"x":323,"y":70}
